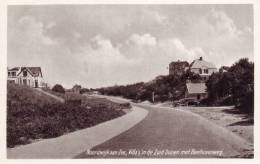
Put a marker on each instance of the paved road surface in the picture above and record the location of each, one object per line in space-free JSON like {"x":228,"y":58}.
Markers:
{"x":169,"y":133}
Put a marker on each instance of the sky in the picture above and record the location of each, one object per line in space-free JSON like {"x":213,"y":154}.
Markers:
{"x":104,"y":45}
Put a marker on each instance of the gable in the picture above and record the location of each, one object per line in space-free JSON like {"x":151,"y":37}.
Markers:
{"x":24,"y":69}
{"x":33,"y":71}
{"x":36,"y":71}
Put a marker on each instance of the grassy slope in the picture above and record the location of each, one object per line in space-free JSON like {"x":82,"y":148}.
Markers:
{"x":32,"y":115}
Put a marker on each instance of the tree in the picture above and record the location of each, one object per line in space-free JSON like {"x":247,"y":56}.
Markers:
{"x":237,"y":82}
{"x":243,"y":91}
{"x":212,"y":83}
{"x":58,"y":88}
{"x":76,"y":88}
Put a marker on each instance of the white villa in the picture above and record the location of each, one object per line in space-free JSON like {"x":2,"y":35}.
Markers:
{"x":203,"y":68}
{"x":199,"y":66}
{"x":29,"y":76}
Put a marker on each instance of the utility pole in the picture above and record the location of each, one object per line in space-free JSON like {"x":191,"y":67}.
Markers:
{"x":153,"y":97}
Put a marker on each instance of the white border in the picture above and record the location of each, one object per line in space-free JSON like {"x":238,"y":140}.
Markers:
{"x":3,"y":75}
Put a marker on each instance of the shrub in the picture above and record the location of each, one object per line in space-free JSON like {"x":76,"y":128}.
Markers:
{"x":165,"y":88}
{"x":58,"y":88}
{"x":247,"y":103}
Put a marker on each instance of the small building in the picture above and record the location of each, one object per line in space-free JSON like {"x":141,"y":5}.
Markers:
{"x":196,"y":90}
{"x":28,"y":76}
{"x":178,"y":67}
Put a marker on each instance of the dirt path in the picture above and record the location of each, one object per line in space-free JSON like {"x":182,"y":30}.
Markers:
{"x":51,"y":95}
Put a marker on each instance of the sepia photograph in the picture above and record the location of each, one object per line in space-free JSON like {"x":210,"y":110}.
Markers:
{"x":130,"y":81}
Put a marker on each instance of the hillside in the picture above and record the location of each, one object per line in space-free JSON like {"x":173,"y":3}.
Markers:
{"x":32,"y":115}
{"x":232,"y":85}
{"x":164,"y":88}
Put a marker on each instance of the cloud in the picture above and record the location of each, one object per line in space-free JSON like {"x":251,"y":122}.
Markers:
{"x":51,"y":25}
{"x":121,"y":45}
{"x":140,"y":58}
{"x":222,"y":24}
{"x":34,"y":31}
{"x":28,"y":43}
{"x":217,"y":27}
{"x":152,"y":55}
{"x":101,"y":50}
{"x":220,"y":38}
{"x":141,"y":40}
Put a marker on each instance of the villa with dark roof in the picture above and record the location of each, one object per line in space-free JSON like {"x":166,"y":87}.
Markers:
{"x":28,"y":76}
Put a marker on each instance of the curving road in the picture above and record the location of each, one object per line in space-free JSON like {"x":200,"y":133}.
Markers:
{"x":170,"y":133}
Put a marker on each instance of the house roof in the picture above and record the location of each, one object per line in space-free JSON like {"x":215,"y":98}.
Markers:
{"x":34,"y":71}
{"x":195,"y":88}
{"x":14,"y":69}
{"x":199,"y":63}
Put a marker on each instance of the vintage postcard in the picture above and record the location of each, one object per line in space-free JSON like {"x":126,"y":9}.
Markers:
{"x":130,"y":81}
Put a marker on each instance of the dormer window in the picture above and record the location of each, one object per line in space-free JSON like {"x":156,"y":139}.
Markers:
{"x":24,"y":73}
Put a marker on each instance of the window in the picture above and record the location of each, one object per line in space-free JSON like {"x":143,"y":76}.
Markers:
{"x":24,"y":73}
{"x":13,"y":73}
{"x":206,"y":71}
{"x":200,"y":71}
{"x":9,"y":73}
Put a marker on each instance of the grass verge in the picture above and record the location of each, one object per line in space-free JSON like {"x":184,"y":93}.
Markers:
{"x":32,"y":115}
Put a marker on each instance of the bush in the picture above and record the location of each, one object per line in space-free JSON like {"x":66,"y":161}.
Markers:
{"x":58,"y":88}
{"x":84,"y":90}
{"x":165,"y":88}
{"x":247,"y":103}
{"x":227,"y":101}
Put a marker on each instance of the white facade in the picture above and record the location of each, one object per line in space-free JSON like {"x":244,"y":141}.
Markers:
{"x":203,"y":68}
{"x":12,"y":75}
{"x":28,"y":76}
{"x":204,"y":71}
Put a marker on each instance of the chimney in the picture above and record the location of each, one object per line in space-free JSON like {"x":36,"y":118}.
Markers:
{"x":201,"y":58}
